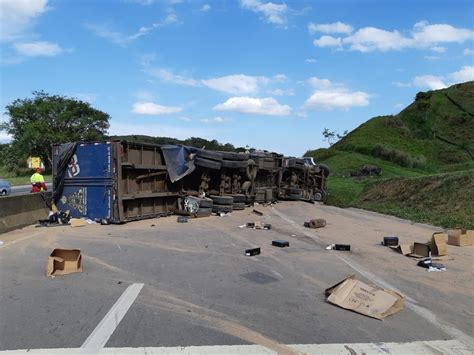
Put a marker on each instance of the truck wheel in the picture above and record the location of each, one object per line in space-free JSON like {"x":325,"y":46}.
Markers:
{"x":222,"y":208}
{"x":222,"y":200}
{"x":208,"y":154}
{"x":324,"y":170}
{"x":238,"y":198}
{"x":205,"y":203}
{"x":206,"y":163}
{"x":234,"y":164}
{"x":235,"y":156}
{"x":319,"y":195}
{"x":238,"y":206}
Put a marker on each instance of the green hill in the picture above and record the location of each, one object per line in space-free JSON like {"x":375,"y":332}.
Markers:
{"x":430,"y":140}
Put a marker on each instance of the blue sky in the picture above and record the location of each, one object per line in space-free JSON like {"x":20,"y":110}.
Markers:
{"x":271,"y":75}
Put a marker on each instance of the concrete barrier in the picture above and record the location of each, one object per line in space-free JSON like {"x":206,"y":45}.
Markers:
{"x":22,"y":210}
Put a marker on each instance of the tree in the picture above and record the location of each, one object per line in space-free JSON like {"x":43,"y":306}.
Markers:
{"x":36,"y":123}
{"x":329,"y":135}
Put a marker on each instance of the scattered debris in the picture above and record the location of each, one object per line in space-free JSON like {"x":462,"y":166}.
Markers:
{"x":1,"y":242}
{"x":315,"y":223}
{"x":252,"y":252}
{"x":90,"y":221}
{"x":182,"y":219}
{"x":104,"y":222}
{"x":152,"y":225}
{"x":259,"y":225}
{"x":257,"y":212}
{"x":368,"y":300}
{"x":403,"y":249}
{"x":77,"y":222}
{"x":461,"y":237}
{"x":224,"y":214}
{"x":64,"y":261}
{"x":280,"y":243}
{"x":427,"y":263}
{"x":242,"y":226}
{"x":390,"y":241}
{"x":345,"y":247}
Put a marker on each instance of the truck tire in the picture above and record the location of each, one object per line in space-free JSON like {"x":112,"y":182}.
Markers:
{"x":204,"y":212}
{"x":324,"y":169}
{"x":208,"y":154}
{"x":234,"y":164}
{"x":319,"y":195}
{"x":222,"y":200}
{"x":222,"y":208}
{"x":206,"y":163}
{"x":235,"y":156}
{"x":238,"y":198}
{"x":238,"y":206}
{"x":205,"y":203}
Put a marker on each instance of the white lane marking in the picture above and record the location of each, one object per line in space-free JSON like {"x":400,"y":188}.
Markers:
{"x":417,"y":347}
{"x":410,"y":302}
{"x":101,"y":334}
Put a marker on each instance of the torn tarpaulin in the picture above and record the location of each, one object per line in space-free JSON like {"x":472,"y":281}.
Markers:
{"x":179,"y":161}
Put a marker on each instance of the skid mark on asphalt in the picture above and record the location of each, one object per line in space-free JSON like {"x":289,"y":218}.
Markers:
{"x":410,"y":302}
{"x":212,"y":319}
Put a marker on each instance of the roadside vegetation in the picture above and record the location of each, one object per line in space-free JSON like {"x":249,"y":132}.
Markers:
{"x":426,"y":154}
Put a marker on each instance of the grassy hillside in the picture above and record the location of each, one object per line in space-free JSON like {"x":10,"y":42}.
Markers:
{"x":430,"y":142}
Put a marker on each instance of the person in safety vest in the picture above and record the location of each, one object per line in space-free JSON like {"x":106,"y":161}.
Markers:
{"x":37,"y":182}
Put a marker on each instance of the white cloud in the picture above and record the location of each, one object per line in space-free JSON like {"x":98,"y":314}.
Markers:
{"x":106,"y":31}
{"x":327,"y":41}
{"x":310,"y":60}
{"x":465,"y":74}
{"x":248,"y":105}
{"x":319,"y":83}
{"x":238,"y":84}
{"x":337,"y":98}
{"x":468,"y":51}
{"x":438,"y":49}
{"x":184,"y":119}
{"x":150,"y":108}
{"x":217,"y":119}
{"x":168,"y":76}
{"x":431,"y":57}
{"x":336,"y":27}
{"x":432,"y":82}
{"x":16,"y":16}
{"x":273,"y":13}
{"x":425,"y":34}
{"x":5,"y":138}
{"x":369,"y":39}
{"x":400,"y":84}
{"x":283,"y":92}
{"x":280,"y":78}
{"x":38,"y":49}
{"x":398,"y":105}
{"x":205,"y":8}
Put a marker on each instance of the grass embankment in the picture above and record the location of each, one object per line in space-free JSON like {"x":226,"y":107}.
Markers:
{"x":22,"y":179}
{"x":426,"y":153}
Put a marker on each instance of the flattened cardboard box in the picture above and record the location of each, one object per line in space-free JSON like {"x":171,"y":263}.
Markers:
{"x":371,"y":301}
{"x":64,"y":261}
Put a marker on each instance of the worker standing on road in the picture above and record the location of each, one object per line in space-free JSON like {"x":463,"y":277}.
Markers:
{"x":37,"y":182}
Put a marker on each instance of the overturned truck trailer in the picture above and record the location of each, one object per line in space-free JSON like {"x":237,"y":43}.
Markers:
{"x":121,"y":181}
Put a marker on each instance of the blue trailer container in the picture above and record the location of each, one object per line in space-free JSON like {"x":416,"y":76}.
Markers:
{"x":117,"y":181}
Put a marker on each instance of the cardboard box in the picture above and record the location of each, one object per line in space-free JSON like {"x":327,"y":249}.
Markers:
{"x":359,"y":297}
{"x":421,"y":250}
{"x":404,"y":249}
{"x":64,"y":261}
{"x":438,"y":243}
